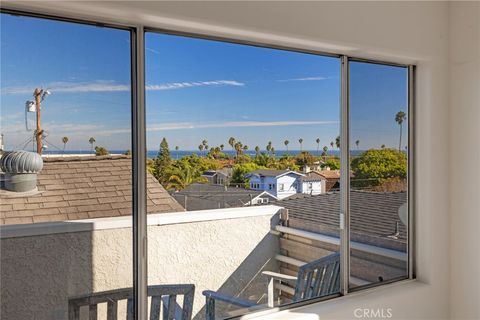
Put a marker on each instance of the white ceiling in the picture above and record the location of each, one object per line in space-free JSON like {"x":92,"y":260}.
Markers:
{"x":327,"y":26}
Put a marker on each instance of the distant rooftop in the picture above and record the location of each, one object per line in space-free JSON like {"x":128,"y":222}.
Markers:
{"x":272,"y":173}
{"x":373,"y":215}
{"x":200,"y":196}
{"x":71,"y":188}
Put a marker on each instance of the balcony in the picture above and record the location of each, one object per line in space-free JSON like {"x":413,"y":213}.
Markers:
{"x":224,"y":250}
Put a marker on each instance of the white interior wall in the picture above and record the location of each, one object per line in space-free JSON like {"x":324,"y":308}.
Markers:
{"x":464,"y":159}
{"x":412,"y":32}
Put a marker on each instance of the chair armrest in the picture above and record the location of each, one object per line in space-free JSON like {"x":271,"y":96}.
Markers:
{"x":279,"y":276}
{"x":229,"y":299}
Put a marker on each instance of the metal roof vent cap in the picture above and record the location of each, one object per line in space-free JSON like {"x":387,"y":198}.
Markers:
{"x":21,"y":168}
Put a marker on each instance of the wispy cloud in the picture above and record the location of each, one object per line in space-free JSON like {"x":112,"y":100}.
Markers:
{"x":230,"y":124}
{"x":111,"y":86}
{"x":316,"y":78}
{"x":181,"y":85}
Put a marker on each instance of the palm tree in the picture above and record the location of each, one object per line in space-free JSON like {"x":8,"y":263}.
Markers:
{"x":176,"y":149}
{"x":221,"y":147}
{"x":257,"y":150}
{"x":286,"y":142}
{"x":337,"y":142}
{"x":238,"y":148}
{"x":92,"y":141}
{"x":181,"y":177}
{"x":318,"y":145}
{"x":332,"y":144}
{"x":301,"y":144}
{"x":269,"y":147}
{"x":325,"y":149}
{"x":357,"y":143}
{"x":245,"y":147}
{"x":201,"y":147}
{"x":382,"y":146}
{"x":399,"y":118}
{"x":231,"y":142}
{"x":64,"y":140}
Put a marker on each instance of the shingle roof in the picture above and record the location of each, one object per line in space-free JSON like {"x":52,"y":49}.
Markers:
{"x":329,"y":174}
{"x":272,"y":173}
{"x":205,"y":196}
{"x":73,"y":188}
{"x":373,"y":215}
{"x":312,"y":176}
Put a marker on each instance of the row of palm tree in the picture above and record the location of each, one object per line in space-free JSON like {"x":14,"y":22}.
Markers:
{"x":65,"y":141}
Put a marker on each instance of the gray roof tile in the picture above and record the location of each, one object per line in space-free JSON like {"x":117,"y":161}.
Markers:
{"x":73,"y":188}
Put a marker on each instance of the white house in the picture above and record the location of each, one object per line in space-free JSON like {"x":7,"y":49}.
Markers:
{"x":312,"y":183}
{"x":284,"y":183}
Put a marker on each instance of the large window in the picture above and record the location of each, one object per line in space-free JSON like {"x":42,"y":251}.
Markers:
{"x":274,"y":177}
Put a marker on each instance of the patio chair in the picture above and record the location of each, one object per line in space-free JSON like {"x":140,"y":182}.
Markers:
{"x":315,"y":279}
{"x":165,"y":295}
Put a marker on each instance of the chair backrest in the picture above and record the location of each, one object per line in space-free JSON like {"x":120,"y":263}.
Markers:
{"x":161,"y":294}
{"x":318,"y":278}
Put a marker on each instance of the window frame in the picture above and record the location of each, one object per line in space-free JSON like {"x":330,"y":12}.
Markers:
{"x":139,"y":205}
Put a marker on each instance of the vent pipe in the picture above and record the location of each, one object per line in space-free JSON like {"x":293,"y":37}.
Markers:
{"x":21,"y":168}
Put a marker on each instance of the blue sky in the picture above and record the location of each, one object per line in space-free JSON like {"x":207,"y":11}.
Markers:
{"x":196,"y":89}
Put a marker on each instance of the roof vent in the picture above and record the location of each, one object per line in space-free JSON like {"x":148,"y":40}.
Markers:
{"x":21,"y":168}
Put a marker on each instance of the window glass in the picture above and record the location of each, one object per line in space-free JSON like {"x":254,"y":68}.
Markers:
{"x":66,"y":106}
{"x":263,"y":118}
{"x":378,"y":183}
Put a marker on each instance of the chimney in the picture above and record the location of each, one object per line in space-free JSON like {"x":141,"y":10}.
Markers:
{"x":21,"y":168}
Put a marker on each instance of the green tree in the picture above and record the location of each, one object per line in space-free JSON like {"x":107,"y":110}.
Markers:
{"x":337,"y":142}
{"x":304,"y":158}
{"x":374,"y":167}
{"x":91,"y":141}
{"x":332,"y":144}
{"x":301,"y":144}
{"x":101,"y":151}
{"x":357,"y":143}
{"x":286,"y":142}
{"x":65,"y":141}
{"x":318,"y":145}
{"x":201,"y":147}
{"x":257,"y":151}
{"x":162,"y":162}
{"x":332,"y":163}
{"x":241,"y":170}
{"x":399,"y":118}
{"x":181,"y":175}
{"x":222,"y":147}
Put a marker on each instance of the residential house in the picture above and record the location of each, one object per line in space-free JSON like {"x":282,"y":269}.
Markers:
{"x":284,"y":183}
{"x":220,"y":177}
{"x":312,"y":183}
{"x":198,"y":196}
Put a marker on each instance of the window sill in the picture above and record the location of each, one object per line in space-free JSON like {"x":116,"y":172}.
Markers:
{"x":347,"y":304}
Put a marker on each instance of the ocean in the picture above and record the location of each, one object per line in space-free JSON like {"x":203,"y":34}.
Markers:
{"x":181,"y":153}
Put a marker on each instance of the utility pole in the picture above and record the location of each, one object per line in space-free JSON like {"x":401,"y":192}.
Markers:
{"x":38,"y":96}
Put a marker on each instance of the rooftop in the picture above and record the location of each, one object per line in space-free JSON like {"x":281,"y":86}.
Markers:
{"x":206,"y":196}
{"x":273,"y":173}
{"x":71,"y":188}
{"x":374,"y":215}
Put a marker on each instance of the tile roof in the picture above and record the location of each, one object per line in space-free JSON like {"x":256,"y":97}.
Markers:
{"x":206,"y":196}
{"x":73,"y":188}
{"x":373,"y":216}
